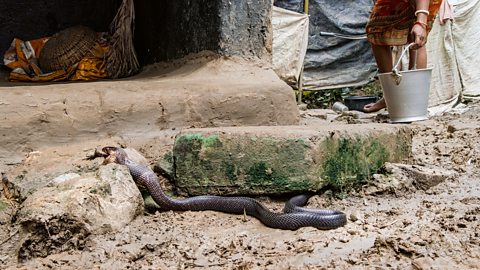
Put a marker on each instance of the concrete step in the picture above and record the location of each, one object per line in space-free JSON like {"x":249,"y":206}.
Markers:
{"x":284,"y":159}
{"x":210,"y":92}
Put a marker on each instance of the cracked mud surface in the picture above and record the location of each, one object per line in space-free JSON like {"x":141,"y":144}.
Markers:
{"x":436,"y":228}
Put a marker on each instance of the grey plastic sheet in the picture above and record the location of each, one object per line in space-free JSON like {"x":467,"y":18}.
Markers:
{"x":332,"y":61}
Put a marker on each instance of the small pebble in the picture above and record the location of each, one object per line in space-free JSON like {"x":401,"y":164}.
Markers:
{"x":352,"y":232}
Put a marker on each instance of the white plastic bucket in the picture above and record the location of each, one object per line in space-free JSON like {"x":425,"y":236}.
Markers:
{"x":406,"y":93}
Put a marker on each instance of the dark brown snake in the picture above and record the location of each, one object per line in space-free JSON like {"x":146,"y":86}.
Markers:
{"x":292,"y":218}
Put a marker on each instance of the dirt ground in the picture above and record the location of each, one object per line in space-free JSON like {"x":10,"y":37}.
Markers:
{"x":388,"y":228}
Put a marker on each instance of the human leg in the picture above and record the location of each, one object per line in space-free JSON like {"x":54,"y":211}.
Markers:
{"x":421,"y":58}
{"x":383,"y":57}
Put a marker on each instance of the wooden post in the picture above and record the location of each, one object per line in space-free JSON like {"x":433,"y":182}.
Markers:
{"x":300,"y":77}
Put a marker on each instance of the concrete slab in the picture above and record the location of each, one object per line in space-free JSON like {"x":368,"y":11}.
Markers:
{"x":207,"y":91}
{"x":284,"y":159}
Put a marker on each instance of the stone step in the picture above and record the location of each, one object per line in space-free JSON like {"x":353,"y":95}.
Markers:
{"x":200,"y":93}
{"x":284,"y":159}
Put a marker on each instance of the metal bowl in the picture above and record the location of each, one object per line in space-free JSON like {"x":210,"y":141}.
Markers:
{"x":358,"y":102}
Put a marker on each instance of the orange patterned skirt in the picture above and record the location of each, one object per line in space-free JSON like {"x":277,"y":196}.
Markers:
{"x":391,"y":21}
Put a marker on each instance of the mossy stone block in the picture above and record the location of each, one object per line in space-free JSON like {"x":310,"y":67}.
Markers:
{"x":280,"y":160}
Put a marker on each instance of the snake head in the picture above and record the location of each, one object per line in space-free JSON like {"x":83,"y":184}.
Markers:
{"x":114,"y":155}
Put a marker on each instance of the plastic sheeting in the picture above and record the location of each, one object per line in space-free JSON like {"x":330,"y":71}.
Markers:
{"x":452,"y":49}
{"x":333,"y":62}
{"x":290,"y":40}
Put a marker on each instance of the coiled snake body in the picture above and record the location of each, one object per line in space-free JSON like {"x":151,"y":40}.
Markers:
{"x":292,"y":218}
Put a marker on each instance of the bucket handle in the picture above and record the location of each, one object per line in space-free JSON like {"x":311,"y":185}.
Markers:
{"x":397,"y":77}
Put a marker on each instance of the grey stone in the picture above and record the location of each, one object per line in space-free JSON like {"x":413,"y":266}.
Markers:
{"x":400,"y":178}
{"x":136,"y":156}
{"x":426,"y":177}
{"x":65,"y":177}
{"x":59,"y":217}
{"x":458,"y":125}
{"x":45,"y":170}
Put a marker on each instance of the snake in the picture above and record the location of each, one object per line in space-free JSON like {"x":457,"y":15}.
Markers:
{"x":293,"y":216}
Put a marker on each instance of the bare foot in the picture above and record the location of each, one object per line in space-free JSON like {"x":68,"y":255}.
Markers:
{"x":375,"y":107}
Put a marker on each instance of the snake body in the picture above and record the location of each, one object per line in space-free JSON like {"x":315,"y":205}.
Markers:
{"x":292,"y":218}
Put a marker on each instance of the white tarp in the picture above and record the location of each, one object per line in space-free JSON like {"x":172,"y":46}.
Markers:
{"x":453,"y":51}
{"x":290,"y":40}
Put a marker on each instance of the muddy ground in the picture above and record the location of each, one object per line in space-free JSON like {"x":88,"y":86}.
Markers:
{"x":389,"y":227}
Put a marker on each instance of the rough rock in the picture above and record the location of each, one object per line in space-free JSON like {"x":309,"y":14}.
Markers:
{"x":458,"y":125}
{"x":59,"y":217}
{"x":136,"y":156}
{"x":403,"y":177}
{"x":426,"y":177}
{"x":284,"y":159}
{"x":52,"y":169}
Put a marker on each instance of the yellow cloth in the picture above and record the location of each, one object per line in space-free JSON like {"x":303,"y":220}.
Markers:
{"x":22,"y":58}
{"x":92,"y":66}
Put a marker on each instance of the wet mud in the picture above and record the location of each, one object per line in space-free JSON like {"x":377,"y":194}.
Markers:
{"x":429,"y":227}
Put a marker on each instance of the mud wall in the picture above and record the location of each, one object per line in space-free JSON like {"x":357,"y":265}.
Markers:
{"x":165,"y":29}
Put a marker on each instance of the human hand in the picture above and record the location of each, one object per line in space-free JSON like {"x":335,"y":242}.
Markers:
{"x":419,"y":35}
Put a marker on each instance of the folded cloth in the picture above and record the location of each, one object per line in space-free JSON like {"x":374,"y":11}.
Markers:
{"x":445,"y":12}
{"x":22,"y":59}
{"x":23,"y":55}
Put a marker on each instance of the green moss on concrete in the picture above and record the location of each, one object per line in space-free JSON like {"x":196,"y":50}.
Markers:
{"x":276,"y":165}
{"x":224,"y":164}
{"x":403,"y":147}
{"x":260,"y":174}
{"x":231,"y":172}
{"x":168,"y":157}
{"x":189,"y":144}
{"x":194,"y":138}
{"x":267,"y":165}
{"x":299,"y":141}
{"x":165,"y":165}
{"x":197,"y":153}
{"x":190,"y":137}
{"x":212,"y":141}
{"x":376,"y":155}
{"x":349,"y":162}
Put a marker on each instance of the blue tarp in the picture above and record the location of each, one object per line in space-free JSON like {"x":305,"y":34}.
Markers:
{"x":334,"y":62}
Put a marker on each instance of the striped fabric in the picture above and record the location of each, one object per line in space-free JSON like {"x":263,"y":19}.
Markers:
{"x":391,"y":21}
